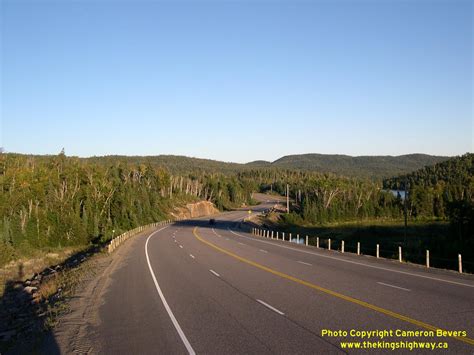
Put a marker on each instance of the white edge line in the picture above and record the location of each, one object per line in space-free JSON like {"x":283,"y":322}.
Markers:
{"x":181,"y":246}
{"x":400,"y":288}
{"x":241,"y":243}
{"x":191,"y":255}
{"x":302,"y":262}
{"x":357,"y":263}
{"x":263,"y":251}
{"x":215,"y":273}
{"x":270,"y":307}
{"x":185,"y":340}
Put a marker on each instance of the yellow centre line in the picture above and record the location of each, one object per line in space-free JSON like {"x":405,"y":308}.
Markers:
{"x":329,"y":292}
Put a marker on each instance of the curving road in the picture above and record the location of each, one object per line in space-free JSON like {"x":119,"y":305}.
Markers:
{"x":192,"y":287}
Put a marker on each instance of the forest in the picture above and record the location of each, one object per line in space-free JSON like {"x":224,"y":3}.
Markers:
{"x":439,"y":208}
{"x":444,"y":191}
{"x":56,"y":201}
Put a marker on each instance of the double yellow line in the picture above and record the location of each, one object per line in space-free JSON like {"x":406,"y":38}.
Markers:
{"x":329,"y":292}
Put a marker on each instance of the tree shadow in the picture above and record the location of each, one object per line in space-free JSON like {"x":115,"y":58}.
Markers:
{"x":27,"y":314}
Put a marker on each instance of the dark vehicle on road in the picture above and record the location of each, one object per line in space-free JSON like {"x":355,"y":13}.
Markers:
{"x":212,"y":221}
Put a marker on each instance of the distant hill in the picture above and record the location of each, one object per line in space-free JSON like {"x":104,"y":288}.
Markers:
{"x":175,"y":163}
{"x":457,"y":172}
{"x":373,"y":167}
{"x":260,"y":163}
{"x":361,"y":166}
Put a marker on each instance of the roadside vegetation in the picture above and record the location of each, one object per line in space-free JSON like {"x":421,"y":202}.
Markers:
{"x":51,"y":202}
{"x":48,"y":203}
{"x":439,"y":209}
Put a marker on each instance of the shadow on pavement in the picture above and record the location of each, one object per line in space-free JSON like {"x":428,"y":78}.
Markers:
{"x":29,"y":308}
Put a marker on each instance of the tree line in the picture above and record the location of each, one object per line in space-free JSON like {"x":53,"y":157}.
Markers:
{"x":57,"y":201}
{"x":444,"y":190}
{"x":54,"y":201}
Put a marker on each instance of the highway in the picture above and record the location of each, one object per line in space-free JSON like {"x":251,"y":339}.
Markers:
{"x":192,"y":287}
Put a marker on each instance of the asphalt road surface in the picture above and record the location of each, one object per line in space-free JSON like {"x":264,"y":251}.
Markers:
{"x":193,"y":287}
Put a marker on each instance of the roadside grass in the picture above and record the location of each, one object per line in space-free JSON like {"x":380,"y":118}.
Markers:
{"x":61,"y":288}
{"x":29,"y":315}
{"x":419,"y":236}
{"x":34,"y":262}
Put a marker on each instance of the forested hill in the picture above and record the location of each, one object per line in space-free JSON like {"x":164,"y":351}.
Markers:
{"x":444,"y":189}
{"x":360,"y":166}
{"x":49,"y":202}
{"x":375,"y":167}
{"x":457,"y":171}
{"x":174,"y":163}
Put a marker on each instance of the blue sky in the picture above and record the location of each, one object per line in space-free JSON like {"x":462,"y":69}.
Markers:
{"x":237,"y":80}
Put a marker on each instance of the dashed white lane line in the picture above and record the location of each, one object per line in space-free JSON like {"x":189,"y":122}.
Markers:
{"x":302,"y":262}
{"x":271,"y":307}
{"x":181,"y":246}
{"x":263,"y":251}
{"x":217,"y":234}
{"x":215,"y":273}
{"x":191,"y":255}
{"x":181,"y":334}
{"x":354,"y":262}
{"x":393,"y":286}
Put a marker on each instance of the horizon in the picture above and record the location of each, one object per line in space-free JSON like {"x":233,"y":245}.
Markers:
{"x":237,"y":81}
{"x":229,"y":161}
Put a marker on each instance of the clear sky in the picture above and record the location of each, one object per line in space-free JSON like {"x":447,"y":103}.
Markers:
{"x":237,"y":80}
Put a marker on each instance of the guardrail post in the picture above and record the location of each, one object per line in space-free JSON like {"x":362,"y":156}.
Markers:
{"x":460,"y":263}
{"x":378,"y":251}
{"x":290,"y":238}
{"x":306,"y":241}
{"x":272,"y":234}
{"x":358,"y":248}
{"x":329,"y":244}
{"x":283,"y":235}
{"x":277,"y":235}
{"x":428,"y":259}
{"x":297,"y":239}
{"x":317,"y":242}
{"x":342,"y":247}
{"x":400,"y":254}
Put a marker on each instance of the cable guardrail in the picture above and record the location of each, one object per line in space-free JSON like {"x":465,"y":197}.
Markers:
{"x":403,"y":254}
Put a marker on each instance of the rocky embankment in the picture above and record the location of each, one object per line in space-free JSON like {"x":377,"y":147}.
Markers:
{"x":193,"y":210}
{"x":28,"y":308}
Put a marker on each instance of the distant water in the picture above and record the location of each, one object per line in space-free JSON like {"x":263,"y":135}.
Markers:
{"x":396,"y":192}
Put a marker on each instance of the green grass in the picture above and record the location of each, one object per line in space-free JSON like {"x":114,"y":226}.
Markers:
{"x":420,"y":236}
